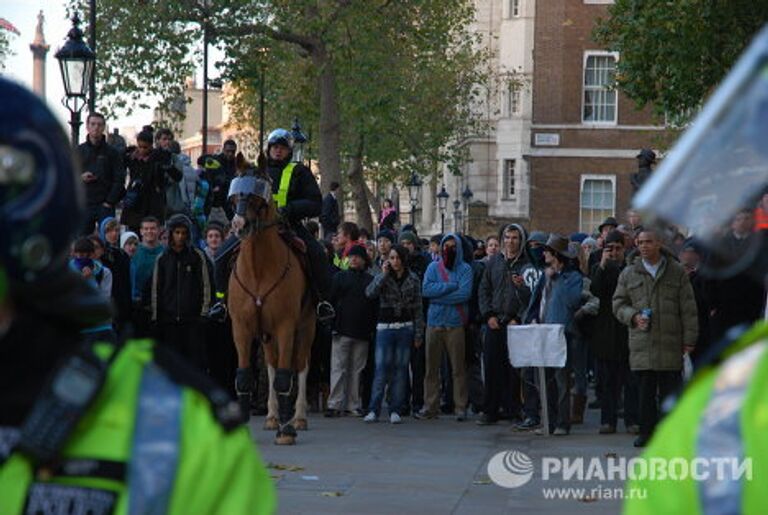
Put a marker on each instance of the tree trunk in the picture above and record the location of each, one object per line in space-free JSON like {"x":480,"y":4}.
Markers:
{"x":358,"y":188}
{"x":330,"y":124}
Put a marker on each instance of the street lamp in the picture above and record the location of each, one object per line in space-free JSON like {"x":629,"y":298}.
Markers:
{"x":299,"y":140}
{"x":442,"y":203}
{"x":466,"y":196}
{"x":414,"y":192}
{"x":76,"y":62}
{"x":457,"y":215}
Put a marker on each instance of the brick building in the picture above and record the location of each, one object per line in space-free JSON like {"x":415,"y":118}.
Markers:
{"x":584,"y":134}
{"x":562,"y":142}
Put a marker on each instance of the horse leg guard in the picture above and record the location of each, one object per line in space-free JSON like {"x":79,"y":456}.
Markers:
{"x":284,"y":388}
{"x":243,"y":388}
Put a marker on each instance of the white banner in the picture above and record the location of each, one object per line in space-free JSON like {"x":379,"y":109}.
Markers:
{"x":537,"y":345}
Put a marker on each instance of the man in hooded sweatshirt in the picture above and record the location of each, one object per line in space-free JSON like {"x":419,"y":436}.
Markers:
{"x":503,"y":297}
{"x":448,"y":286}
{"x":182,"y":291}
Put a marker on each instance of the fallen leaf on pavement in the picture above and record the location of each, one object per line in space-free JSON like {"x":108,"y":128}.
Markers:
{"x":482,"y":482}
{"x":289,"y":468}
{"x":331,"y":494}
{"x":588,"y":499}
{"x":611,"y":455}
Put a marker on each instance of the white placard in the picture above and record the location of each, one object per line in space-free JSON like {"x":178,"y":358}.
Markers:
{"x":537,"y":345}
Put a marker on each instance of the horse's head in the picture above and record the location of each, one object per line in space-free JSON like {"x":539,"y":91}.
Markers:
{"x":260,"y":212}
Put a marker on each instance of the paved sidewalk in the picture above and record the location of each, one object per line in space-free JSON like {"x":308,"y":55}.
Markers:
{"x":425,"y":467}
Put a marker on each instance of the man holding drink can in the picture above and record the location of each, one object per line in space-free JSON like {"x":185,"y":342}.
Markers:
{"x":654,"y":298}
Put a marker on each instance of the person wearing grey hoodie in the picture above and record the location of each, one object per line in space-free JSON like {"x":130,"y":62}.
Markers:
{"x":503,"y":298}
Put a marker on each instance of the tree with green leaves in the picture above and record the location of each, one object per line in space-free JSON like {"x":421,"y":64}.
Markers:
{"x":386,"y":85}
{"x":673,"y":54}
{"x":5,"y":47}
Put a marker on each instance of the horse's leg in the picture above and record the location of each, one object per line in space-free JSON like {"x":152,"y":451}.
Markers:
{"x":285,"y":376}
{"x":271,"y":422}
{"x":244,"y":376}
{"x":300,"y":418}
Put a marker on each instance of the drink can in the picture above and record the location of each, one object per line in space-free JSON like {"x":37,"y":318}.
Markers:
{"x":646,"y":314}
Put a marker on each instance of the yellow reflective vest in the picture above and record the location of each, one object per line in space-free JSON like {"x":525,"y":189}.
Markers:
{"x":177,"y":458}
{"x":281,"y":197}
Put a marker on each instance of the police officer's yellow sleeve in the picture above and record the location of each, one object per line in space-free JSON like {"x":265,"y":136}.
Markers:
{"x":218,"y":471}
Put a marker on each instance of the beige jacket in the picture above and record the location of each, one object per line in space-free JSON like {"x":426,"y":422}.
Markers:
{"x":674,"y":320}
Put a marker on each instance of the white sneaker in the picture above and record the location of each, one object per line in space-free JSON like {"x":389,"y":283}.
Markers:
{"x":371,"y":417}
{"x":394,"y":418}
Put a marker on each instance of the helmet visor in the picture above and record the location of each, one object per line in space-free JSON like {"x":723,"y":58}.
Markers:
{"x":714,"y":178}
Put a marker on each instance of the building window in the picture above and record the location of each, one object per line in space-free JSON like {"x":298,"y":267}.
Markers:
{"x":598,"y":201}
{"x":600,"y":95}
{"x":512,"y":99}
{"x":509,"y":179}
{"x":514,"y":8}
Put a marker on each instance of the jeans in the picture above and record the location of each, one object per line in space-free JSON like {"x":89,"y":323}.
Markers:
{"x":392,"y":356}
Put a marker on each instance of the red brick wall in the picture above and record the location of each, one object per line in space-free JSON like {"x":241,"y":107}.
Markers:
{"x":563,"y":32}
{"x":555,"y":189}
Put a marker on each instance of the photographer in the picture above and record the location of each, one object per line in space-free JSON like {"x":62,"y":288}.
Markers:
{"x":503,"y":296}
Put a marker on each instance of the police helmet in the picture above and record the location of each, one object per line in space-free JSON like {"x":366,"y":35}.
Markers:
{"x":280,"y":137}
{"x":41,"y":198}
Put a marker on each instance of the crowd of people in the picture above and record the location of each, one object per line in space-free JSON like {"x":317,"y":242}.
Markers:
{"x":420,"y":324}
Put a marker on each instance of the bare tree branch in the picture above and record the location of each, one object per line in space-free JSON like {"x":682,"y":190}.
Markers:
{"x":305,"y":42}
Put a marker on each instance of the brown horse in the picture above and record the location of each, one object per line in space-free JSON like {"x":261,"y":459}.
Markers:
{"x":269,"y":300}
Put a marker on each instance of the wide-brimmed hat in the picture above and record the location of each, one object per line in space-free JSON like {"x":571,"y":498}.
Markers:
{"x":608,"y":221}
{"x":559,"y":244}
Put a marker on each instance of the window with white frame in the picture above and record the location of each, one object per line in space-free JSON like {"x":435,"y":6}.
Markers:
{"x":597,"y":201}
{"x":514,"y":8}
{"x":512,"y":99}
{"x":600,"y":96}
{"x":509,"y":179}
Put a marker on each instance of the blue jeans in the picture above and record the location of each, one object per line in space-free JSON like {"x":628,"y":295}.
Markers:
{"x":392,"y":356}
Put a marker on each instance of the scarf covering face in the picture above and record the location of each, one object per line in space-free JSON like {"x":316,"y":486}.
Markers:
{"x":449,"y":257}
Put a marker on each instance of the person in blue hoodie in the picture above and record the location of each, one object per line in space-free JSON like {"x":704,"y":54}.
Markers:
{"x":448,"y":286}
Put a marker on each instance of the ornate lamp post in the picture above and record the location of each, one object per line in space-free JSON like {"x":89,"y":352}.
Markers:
{"x":466,"y":197}
{"x":457,"y":215}
{"x":76,"y":62}
{"x":442,"y":204}
{"x":414,"y":192}
{"x":299,"y":140}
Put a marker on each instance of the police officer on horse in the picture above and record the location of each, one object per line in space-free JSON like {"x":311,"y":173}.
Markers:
{"x":297,"y":196}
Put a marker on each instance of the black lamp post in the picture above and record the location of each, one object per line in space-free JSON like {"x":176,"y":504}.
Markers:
{"x":457,"y":215}
{"x":466,"y":196}
{"x":76,"y":62}
{"x":299,"y":140}
{"x":414,"y":192}
{"x":442,"y":203}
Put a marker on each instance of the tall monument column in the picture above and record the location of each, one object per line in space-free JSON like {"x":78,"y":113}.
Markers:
{"x":39,"y":50}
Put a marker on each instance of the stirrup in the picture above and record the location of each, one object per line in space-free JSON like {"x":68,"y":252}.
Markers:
{"x":325,"y":311}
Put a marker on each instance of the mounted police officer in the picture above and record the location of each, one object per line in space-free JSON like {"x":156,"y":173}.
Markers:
{"x":94,"y":428}
{"x":297,"y":195}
